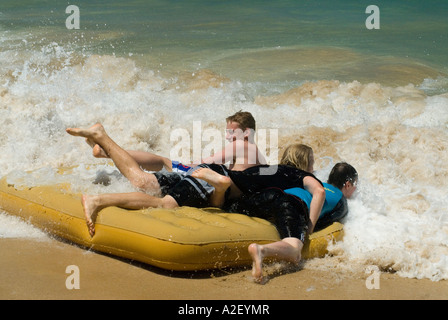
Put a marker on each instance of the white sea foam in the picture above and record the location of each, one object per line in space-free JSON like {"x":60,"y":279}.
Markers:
{"x":396,"y":137}
{"x":14,"y":227}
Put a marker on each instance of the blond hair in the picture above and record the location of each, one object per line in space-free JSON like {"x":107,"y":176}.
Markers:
{"x":297,"y":155}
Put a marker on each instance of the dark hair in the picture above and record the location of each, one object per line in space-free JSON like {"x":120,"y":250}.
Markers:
{"x":341,"y":173}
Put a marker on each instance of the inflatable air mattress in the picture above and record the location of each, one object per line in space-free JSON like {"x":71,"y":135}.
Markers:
{"x":181,"y":239}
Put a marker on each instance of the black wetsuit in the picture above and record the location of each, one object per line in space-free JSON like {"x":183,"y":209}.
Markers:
{"x":263,"y":197}
{"x":287,"y":212}
{"x":258,"y":178}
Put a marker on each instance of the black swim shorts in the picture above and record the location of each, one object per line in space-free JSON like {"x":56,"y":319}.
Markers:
{"x":189,"y":191}
{"x":168,"y":180}
{"x":287,"y":212}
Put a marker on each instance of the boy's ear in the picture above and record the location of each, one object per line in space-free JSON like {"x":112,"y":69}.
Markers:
{"x":348,"y":184}
{"x":248,"y":132}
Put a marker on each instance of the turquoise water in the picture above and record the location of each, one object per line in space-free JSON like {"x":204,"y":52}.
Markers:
{"x":309,"y":71}
{"x":227,"y":36}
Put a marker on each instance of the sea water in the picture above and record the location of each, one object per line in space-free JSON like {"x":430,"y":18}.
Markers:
{"x":309,"y":71}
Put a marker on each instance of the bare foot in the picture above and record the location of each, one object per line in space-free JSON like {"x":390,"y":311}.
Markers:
{"x":97,"y":151}
{"x":90,"y":142}
{"x":255,"y":252}
{"x":220,"y":182}
{"x":91,"y":133}
{"x":90,"y":212}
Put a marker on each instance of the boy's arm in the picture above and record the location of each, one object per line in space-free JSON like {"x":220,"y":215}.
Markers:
{"x":223,"y":156}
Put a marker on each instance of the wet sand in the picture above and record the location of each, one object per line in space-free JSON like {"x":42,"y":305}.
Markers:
{"x":36,"y":269}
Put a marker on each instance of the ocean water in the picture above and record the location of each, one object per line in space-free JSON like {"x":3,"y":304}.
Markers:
{"x":309,"y":71}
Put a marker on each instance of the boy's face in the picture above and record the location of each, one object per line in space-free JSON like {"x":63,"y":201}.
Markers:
{"x":349,"y":188}
{"x":234,"y":132}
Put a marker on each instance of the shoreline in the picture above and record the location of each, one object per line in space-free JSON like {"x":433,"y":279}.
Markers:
{"x":37,"y":270}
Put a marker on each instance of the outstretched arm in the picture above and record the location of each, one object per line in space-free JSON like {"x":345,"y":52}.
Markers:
{"x":225,"y":155}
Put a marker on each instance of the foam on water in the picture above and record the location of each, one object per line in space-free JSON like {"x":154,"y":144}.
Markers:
{"x":396,"y":137}
{"x":14,"y":227}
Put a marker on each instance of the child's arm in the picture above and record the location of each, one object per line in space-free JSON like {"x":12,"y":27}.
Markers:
{"x":225,"y":155}
{"x":317,"y":202}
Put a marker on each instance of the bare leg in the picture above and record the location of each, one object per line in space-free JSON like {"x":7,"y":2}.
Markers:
{"x":220,"y":182}
{"x":134,"y":200}
{"x":97,"y":151}
{"x":123,"y":160}
{"x":288,"y":249}
{"x":150,"y":161}
{"x":146,"y":160}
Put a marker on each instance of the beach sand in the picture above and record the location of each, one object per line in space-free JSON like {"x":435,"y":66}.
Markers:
{"x":36,"y":269}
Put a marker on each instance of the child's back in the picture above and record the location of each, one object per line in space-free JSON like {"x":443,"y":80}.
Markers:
{"x":241,"y":152}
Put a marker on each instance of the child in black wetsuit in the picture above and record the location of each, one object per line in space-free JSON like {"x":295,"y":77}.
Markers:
{"x":292,"y":227}
{"x":263,"y":196}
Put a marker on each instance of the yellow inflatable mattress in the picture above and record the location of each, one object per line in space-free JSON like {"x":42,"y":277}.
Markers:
{"x":181,"y":239}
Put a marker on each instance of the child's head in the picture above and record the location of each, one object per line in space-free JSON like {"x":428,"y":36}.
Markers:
{"x":344,"y":177}
{"x":300,"y":156}
{"x":240,"y":125}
